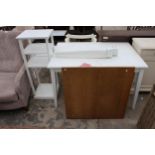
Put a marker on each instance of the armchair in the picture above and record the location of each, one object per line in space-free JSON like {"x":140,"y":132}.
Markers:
{"x":14,"y":84}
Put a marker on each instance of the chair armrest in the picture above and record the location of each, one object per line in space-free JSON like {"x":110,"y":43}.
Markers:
{"x":18,"y":77}
{"x":22,"y":86}
{"x":20,"y":73}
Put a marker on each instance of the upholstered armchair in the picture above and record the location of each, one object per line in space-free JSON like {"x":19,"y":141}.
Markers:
{"x":14,"y":84}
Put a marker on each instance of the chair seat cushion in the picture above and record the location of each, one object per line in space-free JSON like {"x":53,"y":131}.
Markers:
{"x":7,"y":87}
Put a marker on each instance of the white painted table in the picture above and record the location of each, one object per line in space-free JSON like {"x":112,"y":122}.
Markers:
{"x":127,"y":57}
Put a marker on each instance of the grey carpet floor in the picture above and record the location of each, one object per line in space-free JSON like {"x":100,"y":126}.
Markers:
{"x":42,"y":114}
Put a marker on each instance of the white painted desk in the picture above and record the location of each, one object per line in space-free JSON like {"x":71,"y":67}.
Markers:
{"x":127,"y":57}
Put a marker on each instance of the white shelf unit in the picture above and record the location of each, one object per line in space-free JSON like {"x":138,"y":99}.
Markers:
{"x":37,"y":56}
{"x":38,"y":61}
{"x":38,"y":48}
{"x":44,"y":91}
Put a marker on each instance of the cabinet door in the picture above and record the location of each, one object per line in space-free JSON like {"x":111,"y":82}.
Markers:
{"x":96,"y":92}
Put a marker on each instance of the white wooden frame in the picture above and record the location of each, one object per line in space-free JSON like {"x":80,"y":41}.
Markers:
{"x":41,"y":87}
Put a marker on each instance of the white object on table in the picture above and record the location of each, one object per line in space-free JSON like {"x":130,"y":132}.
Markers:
{"x":94,"y":52}
{"x":127,"y":57}
{"x":40,"y":55}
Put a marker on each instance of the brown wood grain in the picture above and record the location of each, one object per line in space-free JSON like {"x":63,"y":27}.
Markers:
{"x":96,"y":92}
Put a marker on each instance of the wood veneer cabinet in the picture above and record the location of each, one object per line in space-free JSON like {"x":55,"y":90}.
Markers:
{"x":96,"y":92}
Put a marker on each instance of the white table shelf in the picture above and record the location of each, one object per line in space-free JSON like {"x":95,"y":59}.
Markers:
{"x":35,"y":34}
{"x":38,"y":48}
{"x":38,"y":62}
{"x":44,"y":91}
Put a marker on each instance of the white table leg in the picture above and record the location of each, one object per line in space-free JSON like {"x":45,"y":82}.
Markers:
{"x":53,"y":77}
{"x":137,"y":87}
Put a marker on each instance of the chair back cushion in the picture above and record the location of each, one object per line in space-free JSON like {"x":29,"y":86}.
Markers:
{"x":10,"y":55}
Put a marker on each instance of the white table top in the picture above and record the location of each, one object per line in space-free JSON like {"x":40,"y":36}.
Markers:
{"x":144,"y":43}
{"x":59,"y":33}
{"x":127,"y":56}
{"x":35,"y":34}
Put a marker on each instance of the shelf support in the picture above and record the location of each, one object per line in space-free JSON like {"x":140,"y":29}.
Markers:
{"x":52,"y":41}
{"x":26,"y":67}
{"x":47,"y":48}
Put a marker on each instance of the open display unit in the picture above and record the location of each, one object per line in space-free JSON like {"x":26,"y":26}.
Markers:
{"x":37,"y":56}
